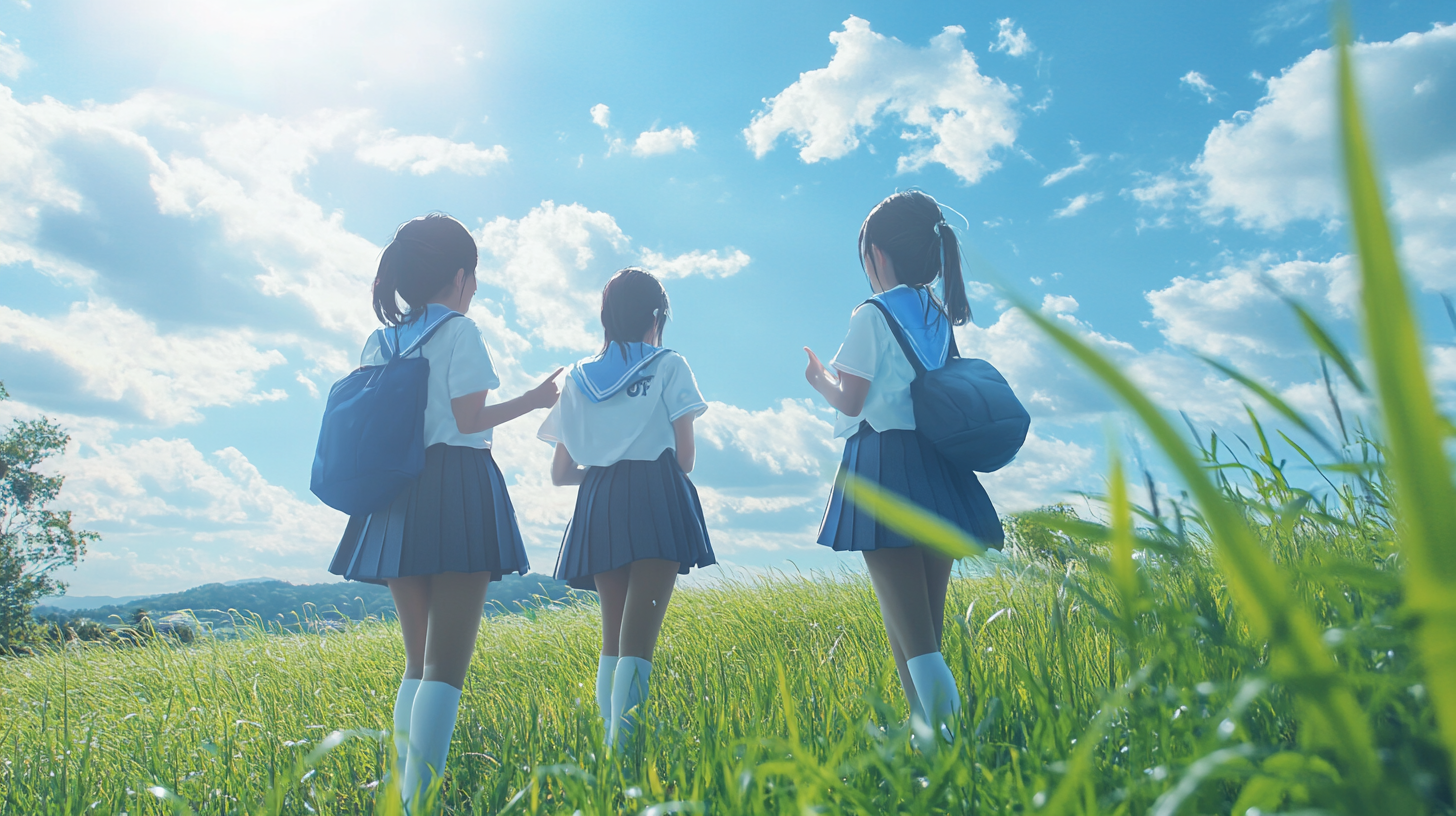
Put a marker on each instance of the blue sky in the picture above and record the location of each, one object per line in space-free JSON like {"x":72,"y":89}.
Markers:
{"x":193,"y":196}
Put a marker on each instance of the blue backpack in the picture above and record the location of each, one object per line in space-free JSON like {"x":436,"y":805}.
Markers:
{"x":372,"y":442}
{"x":965,"y":408}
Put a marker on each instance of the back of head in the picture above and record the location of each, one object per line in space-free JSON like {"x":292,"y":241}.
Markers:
{"x":633,"y":303}
{"x":419,"y":263}
{"x":911,"y":230}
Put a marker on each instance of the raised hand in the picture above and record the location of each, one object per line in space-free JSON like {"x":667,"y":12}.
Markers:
{"x":816,"y":373}
{"x":545,"y":394}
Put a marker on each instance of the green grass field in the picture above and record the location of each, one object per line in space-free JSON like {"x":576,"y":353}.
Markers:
{"x":1250,"y":648}
{"x":768,"y":698}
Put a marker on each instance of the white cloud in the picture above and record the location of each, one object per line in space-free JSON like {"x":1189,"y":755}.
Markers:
{"x":1011,"y":38}
{"x":1279,"y":164}
{"x":601,"y":115}
{"x":1083,"y":162}
{"x":1046,"y":470}
{"x":1077,"y":204}
{"x":1199,"y":84}
{"x":1058,"y":304}
{"x":953,"y":115}
{"x":789,"y":438}
{"x":668,"y":140}
{"x":554,"y":261}
{"x":424,"y":155}
{"x":1158,"y":191}
{"x":116,"y":355}
{"x":709,"y":264}
{"x":167,"y":489}
{"x":12,"y":60}
{"x":549,"y":262}
{"x":1236,"y":314}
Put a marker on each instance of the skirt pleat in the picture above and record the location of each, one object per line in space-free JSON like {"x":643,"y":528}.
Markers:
{"x":456,"y":516}
{"x":905,"y":463}
{"x":629,"y":511}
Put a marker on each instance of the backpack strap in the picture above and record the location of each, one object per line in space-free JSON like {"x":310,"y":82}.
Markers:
{"x":900,"y":337}
{"x":424,"y":338}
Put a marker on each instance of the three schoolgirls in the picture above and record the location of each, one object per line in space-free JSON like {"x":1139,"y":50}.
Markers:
{"x":622,"y":430}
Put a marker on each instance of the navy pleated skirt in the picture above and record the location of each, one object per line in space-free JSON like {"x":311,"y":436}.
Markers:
{"x":629,"y":511}
{"x":455,"y":517}
{"x":905,"y":462}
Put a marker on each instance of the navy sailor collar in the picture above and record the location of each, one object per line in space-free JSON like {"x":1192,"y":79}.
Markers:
{"x":924,"y":324}
{"x":602,"y":376}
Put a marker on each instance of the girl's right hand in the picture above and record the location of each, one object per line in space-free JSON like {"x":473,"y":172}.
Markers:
{"x":545,"y":394}
{"x":816,"y":373}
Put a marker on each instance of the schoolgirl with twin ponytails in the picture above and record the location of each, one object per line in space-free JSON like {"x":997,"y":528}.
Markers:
{"x":905,"y":246}
{"x":623,"y":431}
{"x":450,"y":530}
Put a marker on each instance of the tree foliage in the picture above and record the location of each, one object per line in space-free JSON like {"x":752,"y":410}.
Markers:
{"x":35,"y":540}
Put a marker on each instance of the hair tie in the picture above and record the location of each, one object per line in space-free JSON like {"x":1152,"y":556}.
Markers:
{"x":937,"y":225}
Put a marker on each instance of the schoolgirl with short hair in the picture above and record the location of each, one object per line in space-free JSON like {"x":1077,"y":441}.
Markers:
{"x":623,"y":430}
{"x":451,"y":531}
{"x":905,"y":246}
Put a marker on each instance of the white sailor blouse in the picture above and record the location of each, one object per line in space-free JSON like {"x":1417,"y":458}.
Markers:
{"x":617,"y":406}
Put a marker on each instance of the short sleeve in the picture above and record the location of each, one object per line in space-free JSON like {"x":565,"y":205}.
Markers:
{"x":680,"y":388}
{"x":860,"y":352}
{"x":471,"y":367}
{"x":550,"y":430}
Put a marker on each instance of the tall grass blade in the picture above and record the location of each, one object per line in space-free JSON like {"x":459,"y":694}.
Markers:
{"x":909,"y":519}
{"x":1297,"y":655}
{"x":1327,"y":345}
{"x":1275,"y":401}
{"x":1414,"y":429}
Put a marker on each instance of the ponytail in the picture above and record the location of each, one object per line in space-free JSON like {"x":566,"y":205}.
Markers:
{"x":957,"y":305}
{"x":419,"y":263}
{"x":911,"y":230}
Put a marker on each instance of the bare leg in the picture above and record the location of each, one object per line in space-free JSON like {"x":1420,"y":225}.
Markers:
{"x":906,"y":682}
{"x":649,"y":588}
{"x":456,"y":604}
{"x":911,"y":584}
{"x":937,"y":583}
{"x":901,"y":584}
{"x":412,"y":604}
{"x":612,"y":590}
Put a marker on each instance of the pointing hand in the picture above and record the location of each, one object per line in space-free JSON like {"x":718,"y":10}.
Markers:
{"x":545,"y":394}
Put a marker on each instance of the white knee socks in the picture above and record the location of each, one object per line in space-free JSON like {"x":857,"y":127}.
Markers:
{"x":605,"y":667}
{"x":939,"y":697}
{"x":403,"y":702}
{"x":629,"y":689}
{"x":432,"y":722}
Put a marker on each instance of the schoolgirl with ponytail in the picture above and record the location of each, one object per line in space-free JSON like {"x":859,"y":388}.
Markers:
{"x":451,"y":531}
{"x":905,"y":246}
{"x":623,"y":431}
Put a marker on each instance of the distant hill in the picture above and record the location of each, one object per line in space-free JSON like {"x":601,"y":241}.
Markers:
{"x":280,"y":601}
{"x":88,"y":601}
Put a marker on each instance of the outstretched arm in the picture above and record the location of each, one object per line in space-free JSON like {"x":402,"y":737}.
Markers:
{"x":472,"y":415}
{"x":846,"y":393}
{"x":564,"y":469}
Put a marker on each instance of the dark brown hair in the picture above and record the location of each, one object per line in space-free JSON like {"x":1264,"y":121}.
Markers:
{"x":421,"y":260}
{"x":633,"y":302}
{"x":911,"y":230}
